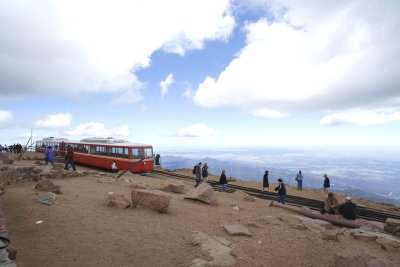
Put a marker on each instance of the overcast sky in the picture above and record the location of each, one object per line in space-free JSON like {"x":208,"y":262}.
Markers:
{"x":202,"y":73}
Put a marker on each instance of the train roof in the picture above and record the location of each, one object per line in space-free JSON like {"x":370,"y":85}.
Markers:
{"x":95,"y":141}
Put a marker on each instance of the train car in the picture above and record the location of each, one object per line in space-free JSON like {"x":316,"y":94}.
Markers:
{"x":101,"y":152}
{"x":55,"y":143}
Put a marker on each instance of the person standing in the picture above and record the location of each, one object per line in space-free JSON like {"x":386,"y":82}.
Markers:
{"x":204,"y":172}
{"x":158,"y":159}
{"x":265,"y":181}
{"x":299,"y":179}
{"x":222,"y":181}
{"x":69,"y":159}
{"x":198,"y":174}
{"x":348,"y":209}
{"x":327,"y":183}
{"x":49,"y":156}
{"x":281,"y":191}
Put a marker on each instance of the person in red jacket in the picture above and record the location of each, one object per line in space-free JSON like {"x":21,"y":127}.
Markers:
{"x":69,"y":159}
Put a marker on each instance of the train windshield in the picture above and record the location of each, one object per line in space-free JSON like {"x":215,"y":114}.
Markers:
{"x":148,"y":152}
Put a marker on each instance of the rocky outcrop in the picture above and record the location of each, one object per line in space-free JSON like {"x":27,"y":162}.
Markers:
{"x":118,"y":201}
{"x":48,"y":186}
{"x":203,"y":193}
{"x":392,"y":226}
{"x":154,"y":199}
{"x":173,"y":186}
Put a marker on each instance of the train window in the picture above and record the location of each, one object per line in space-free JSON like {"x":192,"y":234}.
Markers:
{"x":126,"y":152}
{"x":148,"y":152}
{"x":92,"y":149}
{"x":119,"y":152}
{"x":112,"y":149}
{"x":100,"y":150}
{"x":137,"y":153}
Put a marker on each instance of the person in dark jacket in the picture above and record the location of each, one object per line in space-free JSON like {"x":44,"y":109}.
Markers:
{"x":265,"y":181}
{"x":222,"y":181}
{"x":348,"y":209}
{"x":198,"y":174}
{"x":281,"y":191}
{"x":69,"y":159}
{"x":327,"y":183}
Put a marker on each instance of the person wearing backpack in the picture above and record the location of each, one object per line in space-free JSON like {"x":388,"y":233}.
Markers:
{"x":197,"y":170}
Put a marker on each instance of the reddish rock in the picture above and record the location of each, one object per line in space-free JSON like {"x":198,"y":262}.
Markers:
{"x":236,"y":229}
{"x":173,"y":186}
{"x":154,"y":199}
{"x":203,"y":193}
{"x":6,"y":158}
{"x":117,"y":200}
{"x":382,"y":263}
{"x":353,"y":257}
{"x":48,"y":186}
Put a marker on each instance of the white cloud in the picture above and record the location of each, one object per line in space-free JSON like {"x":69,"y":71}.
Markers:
{"x":164,"y":85}
{"x":55,"y":121}
{"x":97,"y":129}
{"x":314,"y":56}
{"x":96,"y":46}
{"x":362,"y":118}
{"x":6,"y":119}
{"x":188,"y":93}
{"x":129,"y":97}
{"x":196,"y":130}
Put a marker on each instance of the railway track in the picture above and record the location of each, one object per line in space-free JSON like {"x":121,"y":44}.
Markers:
{"x":362,"y":212}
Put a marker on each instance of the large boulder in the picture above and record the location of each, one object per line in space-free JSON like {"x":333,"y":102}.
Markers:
{"x":173,"y":186}
{"x":203,"y":193}
{"x":154,"y":199}
{"x":117,"y":200}
{"x":353,"y":257}
{"x":6,"y":158}
{"x":392,"y":226}
{"x":48,"y":186}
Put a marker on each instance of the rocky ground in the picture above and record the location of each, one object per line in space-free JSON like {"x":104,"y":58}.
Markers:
{"x":80,"y":230}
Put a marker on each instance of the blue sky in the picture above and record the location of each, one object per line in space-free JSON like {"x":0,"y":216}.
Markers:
{"x":304,"y":74}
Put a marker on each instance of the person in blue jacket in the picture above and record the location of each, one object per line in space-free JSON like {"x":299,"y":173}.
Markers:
{"x":299,"y":179}
{"x":281,"y":191}
{"x":50,"y":156}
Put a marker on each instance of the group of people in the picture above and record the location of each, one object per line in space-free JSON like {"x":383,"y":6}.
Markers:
{"x":15,"y":148}
{"x":347,"y":210}
{"x":201,"y":172}
{"x":50,"y":157}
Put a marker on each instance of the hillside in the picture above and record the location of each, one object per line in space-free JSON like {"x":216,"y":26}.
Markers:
{"x":80,"y":230}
